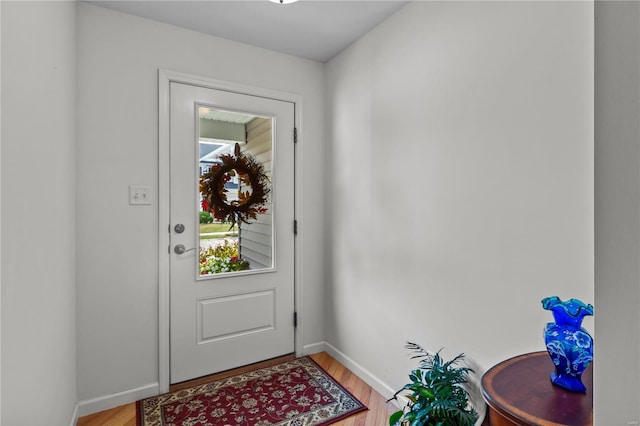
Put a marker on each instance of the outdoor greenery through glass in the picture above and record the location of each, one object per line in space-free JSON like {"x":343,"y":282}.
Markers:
{"x":222,"y":258}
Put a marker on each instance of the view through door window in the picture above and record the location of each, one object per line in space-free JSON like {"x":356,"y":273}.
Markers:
{"x":225,"y":247}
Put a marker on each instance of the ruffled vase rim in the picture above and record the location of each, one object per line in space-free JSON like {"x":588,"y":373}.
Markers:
{"x":572,"y":307}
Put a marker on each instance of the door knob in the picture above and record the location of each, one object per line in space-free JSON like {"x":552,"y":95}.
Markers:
{"x":180,"y":249}
{"x":179,"y":228}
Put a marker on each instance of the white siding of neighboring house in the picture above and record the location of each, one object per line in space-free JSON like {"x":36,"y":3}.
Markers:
{"x":256,"y":241}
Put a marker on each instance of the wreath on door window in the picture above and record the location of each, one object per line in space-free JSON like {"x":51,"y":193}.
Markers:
{"x":249,"y":203}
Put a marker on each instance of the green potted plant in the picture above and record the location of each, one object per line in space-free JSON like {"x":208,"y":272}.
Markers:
{"x":436,"y":394}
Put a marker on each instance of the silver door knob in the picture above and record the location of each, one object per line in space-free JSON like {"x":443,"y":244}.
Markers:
{"x":180,"y":249}
{"x":179,"y":228}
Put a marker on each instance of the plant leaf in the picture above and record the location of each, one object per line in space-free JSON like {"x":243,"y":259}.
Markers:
{"x":394,"y":420}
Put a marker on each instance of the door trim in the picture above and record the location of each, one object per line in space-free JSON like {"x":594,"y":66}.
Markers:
{"x":165,"y":78}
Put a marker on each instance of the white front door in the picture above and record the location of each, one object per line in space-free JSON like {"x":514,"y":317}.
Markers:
{"x":221,"y":320}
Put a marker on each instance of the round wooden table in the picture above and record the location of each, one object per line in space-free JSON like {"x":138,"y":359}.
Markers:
{"x":519,"y":391}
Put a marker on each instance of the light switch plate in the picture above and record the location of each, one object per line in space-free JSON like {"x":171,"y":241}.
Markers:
{"x":139,"y":195}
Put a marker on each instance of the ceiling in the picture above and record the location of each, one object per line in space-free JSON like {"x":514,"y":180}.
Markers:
{"x":312,"y":29}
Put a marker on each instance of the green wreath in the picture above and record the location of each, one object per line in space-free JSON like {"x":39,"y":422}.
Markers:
{"x":249,"y":203}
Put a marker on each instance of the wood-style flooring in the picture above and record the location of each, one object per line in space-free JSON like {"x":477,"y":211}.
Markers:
{"x":377,"y":415}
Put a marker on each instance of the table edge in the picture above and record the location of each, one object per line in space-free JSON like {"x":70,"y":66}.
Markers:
{"x":496,"y":403}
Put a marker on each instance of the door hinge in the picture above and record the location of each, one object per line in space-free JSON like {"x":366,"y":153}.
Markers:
{"x":295,"y":135}
{"x":295,"y":319}
{"x":295,"y":227}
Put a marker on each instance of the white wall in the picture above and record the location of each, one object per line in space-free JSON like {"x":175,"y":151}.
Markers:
{"x":461,"y":181}
{"x":617,"y":213}
{"x":38,"y":214}
{"x":0,"y":214}
{"x":118,"y":60}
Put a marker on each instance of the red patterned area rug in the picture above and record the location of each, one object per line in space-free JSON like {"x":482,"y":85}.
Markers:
{"x":294,"y":393}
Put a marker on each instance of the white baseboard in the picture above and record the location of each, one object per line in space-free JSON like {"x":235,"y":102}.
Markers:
{"x":114,"y":400}
{"x":369,"y":378}
{"x":74,"y":416}
{"x":314,"y":348}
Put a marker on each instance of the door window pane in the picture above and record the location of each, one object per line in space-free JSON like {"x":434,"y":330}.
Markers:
{"x":226,"y":247}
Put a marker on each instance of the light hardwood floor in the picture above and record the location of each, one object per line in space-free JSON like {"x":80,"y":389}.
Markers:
{"x":377,"y":414}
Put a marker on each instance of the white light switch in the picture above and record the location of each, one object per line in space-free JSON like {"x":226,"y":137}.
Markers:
{"x":139,"y":195}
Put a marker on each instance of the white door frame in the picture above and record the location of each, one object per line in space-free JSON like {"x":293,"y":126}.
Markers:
{"x":165,"y":77}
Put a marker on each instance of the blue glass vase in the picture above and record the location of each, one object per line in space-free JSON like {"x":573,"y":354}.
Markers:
{"x":569,"y":345}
